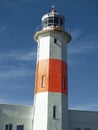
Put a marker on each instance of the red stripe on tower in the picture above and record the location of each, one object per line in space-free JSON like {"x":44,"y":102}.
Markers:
{"x":51,"y":76}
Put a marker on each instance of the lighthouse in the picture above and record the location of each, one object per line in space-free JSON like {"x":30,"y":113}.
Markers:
{"x":51,"y":82}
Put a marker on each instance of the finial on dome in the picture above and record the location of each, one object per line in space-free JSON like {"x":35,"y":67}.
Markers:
{"x":53,"y":8}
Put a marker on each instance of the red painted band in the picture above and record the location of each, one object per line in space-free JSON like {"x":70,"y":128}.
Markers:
{"x":51,"y":76}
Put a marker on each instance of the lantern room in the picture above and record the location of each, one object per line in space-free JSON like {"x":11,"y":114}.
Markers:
{"x":53,"y":20}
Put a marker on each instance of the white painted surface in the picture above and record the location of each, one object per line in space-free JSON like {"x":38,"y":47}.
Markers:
{"x":23,"y":115}
{"x":43,"y":115}
{"x":61,"y":102}
{"x":48,"y":49}
{"x":83,"y":119}
{"x":41,"y":111}
{"x":16,"y":115}
{"x":58,"y":50}
{"x":43,"y":48}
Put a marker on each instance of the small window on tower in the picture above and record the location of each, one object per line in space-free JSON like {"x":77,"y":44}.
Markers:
{"x":43,"y":81}
{"x":55,"y":40}
{"x":54,"y":112}
{"x":64,"y":84}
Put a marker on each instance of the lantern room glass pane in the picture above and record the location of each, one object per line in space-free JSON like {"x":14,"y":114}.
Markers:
{"x":52,"y":21}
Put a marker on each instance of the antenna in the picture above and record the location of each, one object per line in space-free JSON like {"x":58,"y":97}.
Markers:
{"x":53,"y":8}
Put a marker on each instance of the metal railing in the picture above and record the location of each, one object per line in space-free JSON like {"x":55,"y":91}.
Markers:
{"x":41,"y":27}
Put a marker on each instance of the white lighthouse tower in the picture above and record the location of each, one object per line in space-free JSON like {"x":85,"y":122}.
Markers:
{"x":51,"y":85}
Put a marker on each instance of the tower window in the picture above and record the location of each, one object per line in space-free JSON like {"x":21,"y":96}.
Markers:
{"x":54,"y":112}
{"x":64,"y":83}
{"x":43,"y":81}
{"x":8,"y":127}
{"x":55,"y":40}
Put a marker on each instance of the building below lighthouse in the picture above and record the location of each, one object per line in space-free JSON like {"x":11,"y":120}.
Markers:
{"x":50,"y":109}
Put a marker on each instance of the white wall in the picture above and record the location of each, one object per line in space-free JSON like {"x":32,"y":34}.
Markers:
{"x":83,"y":119}
{"x":23,"y":115}
{"x":16,"y":115}
{"x":44,"y":103}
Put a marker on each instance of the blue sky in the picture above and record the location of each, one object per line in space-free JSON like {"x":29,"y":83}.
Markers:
{"x":18,"y":22}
